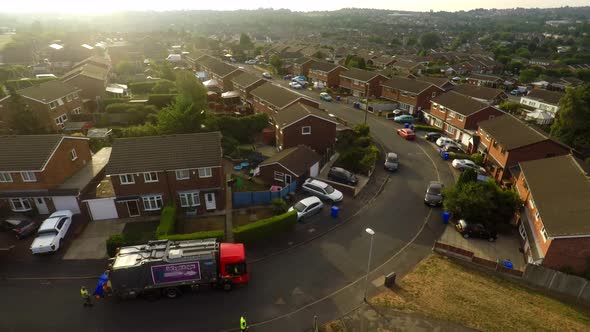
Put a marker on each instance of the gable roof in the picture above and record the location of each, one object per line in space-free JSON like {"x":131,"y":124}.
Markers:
{"x":302,"y":60}
{"x":510,"y":132}
{"x":359,"y":74}
{"x":562,"y":199}
{"x":163,"y":153}
{"x":438,"y":81}
{"x":384,"y":59}
{"x":219,"y":67}
{"x":324,"y":66}
{"x":28,"y":152}
{"x":297,"y":159}
{"x":459,"y":103}
{"x":406,"y":84}
{"x":276,"y":96}
{"x":49,"y":91}
{"x":549,"y":97}
{"x":96,"y":60}
{"x":406,"y":64}
{"x":482,"y":77}
{"x":298,"y":111}
{"x":479,"y":92}
{"x":245,"y":79}
{"x":88,"y":70}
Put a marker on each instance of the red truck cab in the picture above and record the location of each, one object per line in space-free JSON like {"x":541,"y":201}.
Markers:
{"x":232,"y":259}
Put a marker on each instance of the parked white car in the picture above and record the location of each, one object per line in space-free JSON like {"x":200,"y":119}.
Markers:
{"x":307,"y":207}
{"x":295,"y":85}
{"x":52,"y":232}
{"x":322,"y":190}
{"x":462,"y":164}
{"x":442,"y":141}
{"x":250,"y":62}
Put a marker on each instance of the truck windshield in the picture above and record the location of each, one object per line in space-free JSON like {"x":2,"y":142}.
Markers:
{"x":236,"y":269}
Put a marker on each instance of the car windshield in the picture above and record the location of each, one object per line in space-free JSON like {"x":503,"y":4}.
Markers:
{"x":47,"y":231}
{"x":299,"y":206}
{"x":329,"y":189}
{"x":434,"y":190}
{"x":392,"y":159}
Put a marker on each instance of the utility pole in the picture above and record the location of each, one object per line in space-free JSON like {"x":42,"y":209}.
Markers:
{"x":367,"y":104}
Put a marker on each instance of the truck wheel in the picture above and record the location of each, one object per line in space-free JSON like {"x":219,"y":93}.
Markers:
{"x":172,"y":292}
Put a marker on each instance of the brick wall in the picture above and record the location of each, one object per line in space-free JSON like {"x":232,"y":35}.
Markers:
{"x":322,"y":137}
{"x":572,"y":253}
{"x":267,"y":175}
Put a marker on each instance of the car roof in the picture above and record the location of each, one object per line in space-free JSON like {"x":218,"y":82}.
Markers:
{"x":435,"y":184}
{"x":392,"y":154}
{"x":309,"y":200}
{"x":49,"y":223}
{"x":318,"y":183}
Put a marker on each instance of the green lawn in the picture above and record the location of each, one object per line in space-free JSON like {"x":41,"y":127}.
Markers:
{"x":5,"y":39}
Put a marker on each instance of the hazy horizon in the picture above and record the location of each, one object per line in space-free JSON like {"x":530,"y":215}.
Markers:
{"x":109,"y":6}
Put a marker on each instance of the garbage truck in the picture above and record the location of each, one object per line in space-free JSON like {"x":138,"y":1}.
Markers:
{"x":170,"y":268}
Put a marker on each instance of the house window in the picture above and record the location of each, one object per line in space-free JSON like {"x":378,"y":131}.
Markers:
{"x":183,"y":174}
{"x":279,"y":176}
{"x":433,"y":94}
{"x":495,"y":144}
{"x":492,"y":116}
{"x":60,"y":120}
{"x":150,"y":177}
{"x":5,"y":177}
{"x":503,"y":151}
{"x":52,"y":105}
{"x":20,"y":204}
{"x":73,"y":154}
{"x":152,"y":203}
{"x":306,"y":130}
{"x":451,"y":114}
{"x":537,"y":215}
{"x":488,"y":137}
{"x":438,"y":123}
{"x":189,"y":199}
{"x":460,"y":117}
{"x":69,"y":98}
{"x":450,"y":129}
{"x":544,"y":233}
{"x":126,"y":179}
{"x":75,"y":94}
{"x":531,"y":203}
{"x":205,"y":172}
{"x":28,"y":176}
{"x":77,"y":110}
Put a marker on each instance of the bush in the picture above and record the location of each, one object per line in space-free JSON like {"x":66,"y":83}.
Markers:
{"x":167,"y":221}
{"x":114,"y":242}
{"x":242,"y":129}
{"x":161,"y":100}
{"x":137,"y":131}
{"x":119,"y":107}
{"x":21,"y":84}
{"x":146,"y":87}
{"x":279,"y":206}
{"x":477,"y":158}
{"x":265,"y":228}
{"x":454,"y":155}
{"x":427,"y":128}
{"x":217,"y":234}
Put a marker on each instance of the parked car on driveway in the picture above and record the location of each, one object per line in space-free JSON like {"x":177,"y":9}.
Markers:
{"x":250,"y":62}
{"x":398,"y":112}
{"x":295,"y":85}
{"x":391,"y":162}
{"x":405,"y":118}
{"x":475,"y":230}
{"x":307,"y":207}
{"x":267,"y":75}
{"x":52,"y":232}
{"x":463,"y":164}
{"x":452,"y":147}
{"x":341,"y":175}
{"x":441,"y":141}
{"x":434,"y":196}
{"x":288,"y":77}
{"x":325,"y":96}
{"x":21,"y":226}
{"x":406,"y":133}
{"x":322,"y":190}
{"x":432,"y":136}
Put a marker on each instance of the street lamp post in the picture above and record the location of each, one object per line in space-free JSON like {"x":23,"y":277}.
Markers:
{"x":367,"y":103}
{"x":370,"y":232}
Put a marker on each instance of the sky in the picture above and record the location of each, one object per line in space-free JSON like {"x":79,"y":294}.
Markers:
{"x":106,"y":6}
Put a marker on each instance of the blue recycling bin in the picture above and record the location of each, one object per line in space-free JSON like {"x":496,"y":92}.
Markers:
{"x":337,"y":98}
{"x":406,"y":125}
{"x":334,"y":211}
{"x":357,"y":105}
{"x":446,"y":217}
{"x":412,"y":127}
{"x":508,"y":264}
{"x":446,"y":156}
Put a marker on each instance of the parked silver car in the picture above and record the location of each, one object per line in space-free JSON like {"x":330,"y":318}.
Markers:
{"x":322,"y":190}
{"x":307,"y":207}
{"x":391,"y":161}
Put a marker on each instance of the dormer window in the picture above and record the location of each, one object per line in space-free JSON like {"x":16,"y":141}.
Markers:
{"x":53,"y":104}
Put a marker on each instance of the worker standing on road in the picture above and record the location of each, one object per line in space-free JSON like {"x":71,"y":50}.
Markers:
{"x":85,"y":297}
{"x":243,"y":325}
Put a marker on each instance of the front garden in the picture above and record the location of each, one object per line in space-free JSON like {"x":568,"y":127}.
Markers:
{"x":357,"y":152}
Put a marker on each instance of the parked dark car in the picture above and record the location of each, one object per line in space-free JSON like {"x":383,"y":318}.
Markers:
{"x":432,"y":136}
{"x":22,"y":226}
{"x":434,"y":195}
{"x":343,"y":176}
{"x":452,"y":148}
{"x":475,"y":230}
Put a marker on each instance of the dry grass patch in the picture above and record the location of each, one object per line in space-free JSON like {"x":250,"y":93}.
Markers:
{"x":445,"y":290}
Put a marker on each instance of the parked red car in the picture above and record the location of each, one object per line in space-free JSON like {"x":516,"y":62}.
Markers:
{"x":406,"y":133}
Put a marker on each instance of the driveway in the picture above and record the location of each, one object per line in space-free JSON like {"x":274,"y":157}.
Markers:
{"x":91,"y":244}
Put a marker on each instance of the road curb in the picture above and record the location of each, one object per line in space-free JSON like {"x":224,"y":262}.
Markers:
{"x":49,"y":278}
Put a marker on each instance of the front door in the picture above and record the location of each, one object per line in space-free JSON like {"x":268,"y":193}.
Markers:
{"x":210,"y":201}
{"x":41,"y":205}
{"x":133,"y":208}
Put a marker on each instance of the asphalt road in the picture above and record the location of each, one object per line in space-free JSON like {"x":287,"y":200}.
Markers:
{"x":323,"y":277}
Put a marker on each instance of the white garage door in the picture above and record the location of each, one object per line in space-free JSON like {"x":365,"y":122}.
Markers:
{"x":66,"y":203}
{"x":103,"y":208}
{"x":315,"y":169}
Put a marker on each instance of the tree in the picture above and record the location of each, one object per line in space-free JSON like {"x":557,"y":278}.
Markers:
{"x":528,"y":75}
{"x":353,"y":61}
{"x":166,"y":71}
{"x":572,"y":127}
{"x":276,"y":62}
{"x":584,"y":75}
{"x":412,"y":41}
{"x":22,"y":119}
{"x":429,"y":40}
{"x":509,"y":106}
{"x":246,"y":42}
{"x":125,"y":68}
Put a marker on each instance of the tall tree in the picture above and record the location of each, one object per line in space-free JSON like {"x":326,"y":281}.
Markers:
{"x":246,"y":42}
{"x":573,"y":124}
{"x":22,"y":120}
{"x":429,"y":40}
{"x":276,"y":62}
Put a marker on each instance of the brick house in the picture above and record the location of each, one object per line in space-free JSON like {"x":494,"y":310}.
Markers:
{"x":553,"y":223}
{"x":218,"y":70}
{"x":457,"y":116}
{"x":301,"y":124}
{"x":544,"y":100}
{"x":150,"y":172}
{"x":505,"y":141}
{"x":301,"y":66}
{"x":40,"y":174}
{"x":484,"y":80}
{"x":53,"y":102}
{"x":90,"y":78}
{"x":269,"y":98}
{"x":292,"y":164}
{"x":244,"y":83}
{"x":325,"y":73}
{"x":383,"y":61}
{"x":407,"y":66}
{"x":442,"y":82}
{"x":484,"y":94}
{"x":357,"y":81}
{"x":412,"y":95}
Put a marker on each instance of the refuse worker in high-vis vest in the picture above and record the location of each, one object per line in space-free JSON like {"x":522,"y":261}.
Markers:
{"x":85,"y":297}
{"x":243,"y":325}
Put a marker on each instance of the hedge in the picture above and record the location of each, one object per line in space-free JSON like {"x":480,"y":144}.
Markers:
{"x":427,"y":128}
{"x":265,"y":228}
{"x":108,"y":101}
{"x":144,"y":87}
{"x":167,"y":221}
{"x":21,"y":84}
{"x":217,"y":234}
{"x":454,"y":155}
{"x":119,"y":107}
{"x":114,"y":242}
{"x":161,"y":100}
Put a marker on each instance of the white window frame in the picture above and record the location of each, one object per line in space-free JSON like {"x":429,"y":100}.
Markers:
{"x":148,"y":177}
{"x":77,"y":110}
{"x":451,"y":114}
{"x":434,"y":94}
{"x":488,"y":137}
{"x":304,"y":131}
{"x":73,"y":154}
{"x":69,"y":98}
{"x":124,"y":178}
{"x":28,"y":176}
{"x":544,"y":234}
{"x":537,"y":215}
{"x":460,"y":117}
{"x":438,"y":123}
{"x":75,"y":94}
{"x":203,"y":172}
{"x":279,"y":176}
{"x":450,"y":129}
{"x":188,"y":174}
{"x":22,"y":202}
{"x":152,"y":202}
{"x":5,"y":177}
{"x":61,"y":120}
{"x":531,"y":203}
{"x":189,"y":199}
{"x":53,"y":105}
